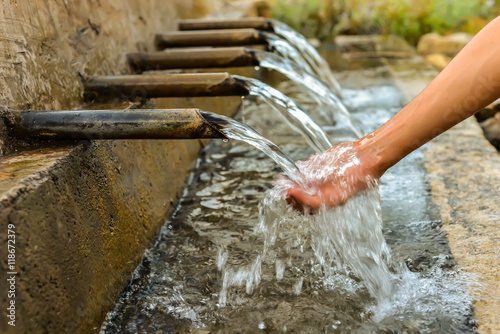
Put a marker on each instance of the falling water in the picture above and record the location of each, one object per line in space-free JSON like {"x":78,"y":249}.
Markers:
{"x":319,"y":91}
{"x":346,"y":241}
{"x":298,"y":119}
{"x":318,"y":63}
{"x":239,"y":131}
{"x":291,"y":53}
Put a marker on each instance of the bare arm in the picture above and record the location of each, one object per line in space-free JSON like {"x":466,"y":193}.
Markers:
{"x":469,"y":83}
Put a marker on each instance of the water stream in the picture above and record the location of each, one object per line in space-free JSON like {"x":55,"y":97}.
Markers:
{"x":285,"y":49}
{"x":235,"y":130}
{"x":297,"y":118}
{"x":318,"y":90}
{"x":317,"y":62}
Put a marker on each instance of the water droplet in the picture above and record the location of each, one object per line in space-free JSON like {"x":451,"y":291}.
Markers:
{"x":225,"y":140}
{"x":257,"y":68}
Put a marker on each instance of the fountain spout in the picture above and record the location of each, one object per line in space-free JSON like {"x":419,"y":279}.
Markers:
{"x":260,"y":23}
{"x":192,"y":58}
{"x":142,"y":124}
{"x":210,"y":84}
{"x":113,"y":124}
{"x":241,"y":57}
{"x":224,"y":37}
{"x":166,"y":85}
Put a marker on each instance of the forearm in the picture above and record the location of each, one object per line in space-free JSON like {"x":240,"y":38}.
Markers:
{"x":469,"y":83}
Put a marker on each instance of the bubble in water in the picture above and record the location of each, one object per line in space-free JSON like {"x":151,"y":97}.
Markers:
{"x":297,"y":288}
{"x":280,"y":269}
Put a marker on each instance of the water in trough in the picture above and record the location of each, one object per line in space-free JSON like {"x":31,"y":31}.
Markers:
{"x":233,"y":257}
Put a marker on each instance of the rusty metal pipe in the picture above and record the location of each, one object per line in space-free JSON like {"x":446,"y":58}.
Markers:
{"x":228,"y":37}
{"x":192,"y":58}
{"x":113,"y":124}
{"x":259,"y":23}
{"x":166,"y":85}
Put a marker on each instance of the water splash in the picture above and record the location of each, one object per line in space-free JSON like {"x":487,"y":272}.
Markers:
{"x":297,"y":118}
{"x":319,"y":64}
{"x":239,"y":131}
{"x":317,"y":89}
{"x":346,"y":240}
{"x":438,"y":293}
{"x":346,"y":250}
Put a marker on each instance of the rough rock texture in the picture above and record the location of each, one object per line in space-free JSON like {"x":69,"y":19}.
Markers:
{"x":83,"y":212}
{"x":46,"y":45}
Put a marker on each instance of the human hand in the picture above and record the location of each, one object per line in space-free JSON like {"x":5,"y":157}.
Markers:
{"x":332,"y":177}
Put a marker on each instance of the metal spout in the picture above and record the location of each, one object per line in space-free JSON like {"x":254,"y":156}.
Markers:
{"x":192,"y":58}
{"x":167,"y":85}
{"x":228,"y":37}
{"x":113,"y":124}
{"x":259,"y":23}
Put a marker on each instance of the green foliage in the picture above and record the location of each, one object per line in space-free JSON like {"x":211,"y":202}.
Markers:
{"x":407,"y":18}
{"x":311,"y":17}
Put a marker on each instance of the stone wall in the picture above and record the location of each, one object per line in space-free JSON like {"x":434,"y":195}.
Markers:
{"x":46,"y":44}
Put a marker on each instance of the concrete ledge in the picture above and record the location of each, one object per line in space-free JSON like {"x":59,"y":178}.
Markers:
{"x":82,"y":218}
{"x":465,"y":186}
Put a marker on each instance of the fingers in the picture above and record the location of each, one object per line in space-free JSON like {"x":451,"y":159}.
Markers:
{"x":300,"y":198}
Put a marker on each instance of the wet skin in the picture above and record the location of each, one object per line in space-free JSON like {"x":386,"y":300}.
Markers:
{"x":469,"y":83}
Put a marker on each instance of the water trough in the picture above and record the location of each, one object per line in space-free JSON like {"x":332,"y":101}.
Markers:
{"x":181,"y":281}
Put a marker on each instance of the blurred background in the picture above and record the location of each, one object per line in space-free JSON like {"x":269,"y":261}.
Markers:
{"x":409,"y":19}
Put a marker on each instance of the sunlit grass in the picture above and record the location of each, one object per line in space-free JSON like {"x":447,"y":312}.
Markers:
{"x":407,"y":18}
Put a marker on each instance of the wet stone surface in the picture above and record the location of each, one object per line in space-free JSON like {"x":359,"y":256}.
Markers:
{"x":178,"y":285}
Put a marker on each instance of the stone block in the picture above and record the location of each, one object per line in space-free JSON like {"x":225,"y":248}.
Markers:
{"x":438,"y":59}
{"x":449,"y":45}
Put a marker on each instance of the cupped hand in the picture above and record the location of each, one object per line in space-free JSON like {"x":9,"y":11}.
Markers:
{"x":332,"y":177}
